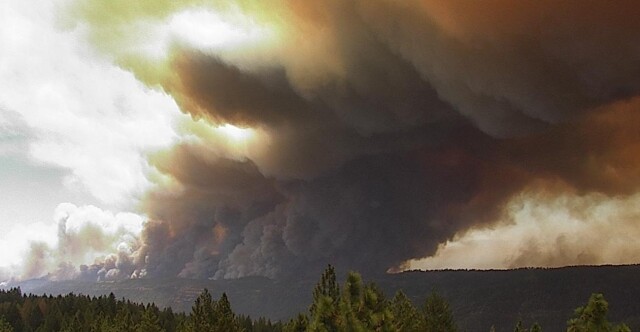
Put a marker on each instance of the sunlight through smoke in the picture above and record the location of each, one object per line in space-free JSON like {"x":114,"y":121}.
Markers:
{"x":235,"y":133}
{"x":202,"y":29}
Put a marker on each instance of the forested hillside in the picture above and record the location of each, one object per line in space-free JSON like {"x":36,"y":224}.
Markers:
{"x":351,"y":306}
{"x":479,"y":299}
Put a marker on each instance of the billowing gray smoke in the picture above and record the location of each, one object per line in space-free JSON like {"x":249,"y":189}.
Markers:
{"x":391,"y":127}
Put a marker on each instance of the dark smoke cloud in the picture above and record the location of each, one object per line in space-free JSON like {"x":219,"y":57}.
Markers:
{"x":391,"y":127}
{"x":372,"y":213}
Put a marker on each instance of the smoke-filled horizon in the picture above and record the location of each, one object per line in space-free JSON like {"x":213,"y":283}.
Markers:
{"x":373,"y":135}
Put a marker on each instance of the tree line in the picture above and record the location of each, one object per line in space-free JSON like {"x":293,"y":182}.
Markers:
{"x":354,"y":306}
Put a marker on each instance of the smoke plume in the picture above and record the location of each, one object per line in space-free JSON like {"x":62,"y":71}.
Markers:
{"x":83,"y":242}
{"x":371,"y":132}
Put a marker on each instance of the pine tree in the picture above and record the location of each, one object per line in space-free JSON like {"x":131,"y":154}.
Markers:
{"x":247,"y":324}
{"x":53,"y":319}
{"x":356,"y":308}
{"x":298,"y":324}
{"x":326,"y":287}
{"x":105,"y":324}
{"x":31,"y":314}
{"x":351,"y":312}
{"x":325,"y":309}
{"x":123,"y":320}
{"x":353,"y":291}
{"x":406,"y":317}
{"x":593,"y":317}
{"x":74,"y":324}
{"x":225,"y":318}
{"x":149,"y":322}
{"x":110,"y":305}
{"x":437,"y":315}
{"x":377,"y":314}
{"x":168,"y":320}
{"x":326,"y":316}
{"x":202,"y":313}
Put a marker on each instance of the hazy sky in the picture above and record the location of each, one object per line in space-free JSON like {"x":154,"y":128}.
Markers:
{"x":74,"y":127}
{"x":227,"y":139}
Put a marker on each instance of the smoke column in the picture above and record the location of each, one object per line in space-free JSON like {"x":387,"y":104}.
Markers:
{"x":369,"y":134}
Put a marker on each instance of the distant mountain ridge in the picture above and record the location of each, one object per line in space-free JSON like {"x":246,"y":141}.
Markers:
{"x":479,"y":298}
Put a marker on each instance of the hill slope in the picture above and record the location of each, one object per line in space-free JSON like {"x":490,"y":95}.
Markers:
{"x":479,"y":298}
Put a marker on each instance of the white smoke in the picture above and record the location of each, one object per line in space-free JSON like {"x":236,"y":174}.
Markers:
{"x":79,"y":240}
{"x":556,"y":230}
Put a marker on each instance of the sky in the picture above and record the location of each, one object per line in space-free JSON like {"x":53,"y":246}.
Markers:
{"x":216,"y":139}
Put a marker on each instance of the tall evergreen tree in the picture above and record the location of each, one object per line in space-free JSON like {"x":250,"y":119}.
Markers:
{"x":225,"y":318}
{"x":31,"y":314}
{"x":406,"y":317}
{"x":593,"y":317}
{"x":53,"y":319}
{"x":149,"y":322}
{"x":298,"y":324}
{"x":326,"y":315}
{"x":356,"y":308}
{"x":377,"y":314}
{"x":74,"y":324}
{"x":202,"y":313}
{"x":437,"y":315}
{"x":168,"y":320}
{"x":124,"y":320}
{"x":327,"y":287}
{"x":351,"y":312}
{"x":110,"y":305}
{"x":325,"y":308}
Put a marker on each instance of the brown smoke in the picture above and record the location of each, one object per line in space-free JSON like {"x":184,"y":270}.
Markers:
{"x":392,"y":126}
